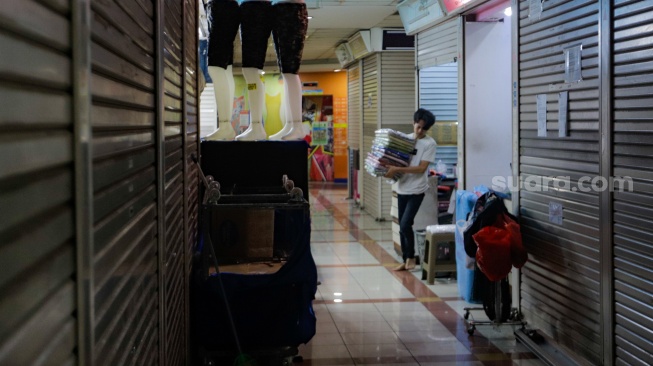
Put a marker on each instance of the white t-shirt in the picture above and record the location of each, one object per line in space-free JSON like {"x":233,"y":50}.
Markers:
{"x":418,"y":183}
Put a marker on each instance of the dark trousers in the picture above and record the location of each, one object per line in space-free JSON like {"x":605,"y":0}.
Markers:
{"x":408,"y":207}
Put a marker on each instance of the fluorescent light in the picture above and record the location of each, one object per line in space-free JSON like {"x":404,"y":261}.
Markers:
{"x":336,"y":70}
{"x":310,"y":17}
{"x":337,"y":300}
{"x":337,"y":294}
{"x":508,"y":11}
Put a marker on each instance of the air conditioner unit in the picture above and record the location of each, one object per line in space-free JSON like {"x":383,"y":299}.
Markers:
{"x":360,"y":44}
{"x":343,"y":52}
{"x":417,"y":15}
{"x":391,"y":39}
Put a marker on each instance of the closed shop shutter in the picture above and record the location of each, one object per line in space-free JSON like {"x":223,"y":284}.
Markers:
{"x":397,"y":95}
{"x":123,"y":115}
{"x":633,"y":157}
{"x":560,"y":289}
{"x":354,"y":106}
{"x":370,"y":113}
{"x":438,"y":45}
{"x":37,"y":185}
{"x":96,"y":226}
{"x":438,"y":92}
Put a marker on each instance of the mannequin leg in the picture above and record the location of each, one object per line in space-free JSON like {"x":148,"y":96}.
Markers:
{"x":295,"y":102}
{"x":255,"y":28}
{"x":223,"y":83}
{"x":225,"y":20}
{"x":289,"y":32}
{"x":287,"y":119}
{"x":256,"y":94}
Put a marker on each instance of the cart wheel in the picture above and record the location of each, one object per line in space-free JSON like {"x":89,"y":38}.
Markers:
{"x":471,"y":330}
{"x":466,"y":316}
{"x":287,"y":361}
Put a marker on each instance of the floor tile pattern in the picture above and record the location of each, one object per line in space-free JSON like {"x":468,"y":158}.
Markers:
{"x":368,"y":314}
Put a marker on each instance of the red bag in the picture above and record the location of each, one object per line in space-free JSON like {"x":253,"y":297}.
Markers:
{"x":493,"y":254}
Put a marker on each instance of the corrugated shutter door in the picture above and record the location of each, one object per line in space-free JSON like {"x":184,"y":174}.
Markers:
{"x":438,"y":91}
{"x":174,"y":130}
{"x":191,"y":191}
{"x":354,"y":107}
{"x":561,"y":282}
{"x":438,"y":45}
{"x":124,"y":181}
{"x":370,"y":113}
{"x":192,"y":126}
{"x":37,"y":220}
{"x":633,"y":157}
{"x":208,"y":110}
{"x":397,"y":105}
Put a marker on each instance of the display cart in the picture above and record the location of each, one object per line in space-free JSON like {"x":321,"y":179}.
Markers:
{"x":254,"y":278}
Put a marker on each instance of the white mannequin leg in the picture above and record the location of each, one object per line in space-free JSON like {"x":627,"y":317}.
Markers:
{"x":223,"y":84}
{"x":256,"y":94}
{"x":294,"y":86}
{"x":287,"y":120}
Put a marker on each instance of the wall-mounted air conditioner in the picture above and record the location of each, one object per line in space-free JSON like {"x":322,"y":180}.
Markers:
{"x":417,"y":15}
{"x":391,"y":39}
{"x":343,"y":52}
{"x":360,"y":44}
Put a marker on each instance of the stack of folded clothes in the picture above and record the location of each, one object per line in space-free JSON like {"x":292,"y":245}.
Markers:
{"x":389,"y":148}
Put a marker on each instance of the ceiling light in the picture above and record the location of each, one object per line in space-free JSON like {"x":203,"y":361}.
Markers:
{"x":337,"y":300}
{"x":508,"y":11}
{"x":310,"y":17}
{"x":262,"y":72}
{"x":336,"y":70}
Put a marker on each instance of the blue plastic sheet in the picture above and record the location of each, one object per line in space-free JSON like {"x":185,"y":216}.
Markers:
{"x":465,"y":201}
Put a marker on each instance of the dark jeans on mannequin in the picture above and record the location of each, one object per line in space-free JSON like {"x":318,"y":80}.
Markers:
{"x":408,"y":207}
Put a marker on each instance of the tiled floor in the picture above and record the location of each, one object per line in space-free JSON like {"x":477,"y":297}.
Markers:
{"x":368,"y":314}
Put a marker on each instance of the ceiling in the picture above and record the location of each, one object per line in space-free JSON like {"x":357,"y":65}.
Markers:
{"x":332,"y":22}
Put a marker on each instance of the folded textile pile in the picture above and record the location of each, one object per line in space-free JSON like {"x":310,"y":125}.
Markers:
{"x":389,"y":148}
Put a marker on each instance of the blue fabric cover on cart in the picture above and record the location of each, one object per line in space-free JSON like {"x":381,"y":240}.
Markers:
{"x":269,"y":310}
{"x":465,"y":201}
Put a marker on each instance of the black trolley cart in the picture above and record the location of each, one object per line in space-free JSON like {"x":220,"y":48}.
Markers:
{"x":254,"y":278}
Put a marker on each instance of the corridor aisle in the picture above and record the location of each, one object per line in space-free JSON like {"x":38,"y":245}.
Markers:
{"x":368,"y":314}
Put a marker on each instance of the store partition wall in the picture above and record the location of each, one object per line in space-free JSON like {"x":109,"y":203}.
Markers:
{"x":584,"y":113}
{"x":99,"y":194}
{"x":488,"y":115}
{"x":388,"y":102}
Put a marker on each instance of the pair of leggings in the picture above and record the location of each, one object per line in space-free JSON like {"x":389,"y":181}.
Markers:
{"x":288,"y":23}
{"x":408,"y":207}
{"x":225,"y":20}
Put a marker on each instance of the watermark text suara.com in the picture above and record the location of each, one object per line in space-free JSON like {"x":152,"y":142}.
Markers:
{"x":538,"y":183}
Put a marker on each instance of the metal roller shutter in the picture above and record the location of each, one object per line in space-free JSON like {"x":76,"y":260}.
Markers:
{"x":633,"y":157}
{"x":438,"y":45}
{"x":124,"y":262}
{"x":397,"y":96}
{"x":370,"y":113}
{"x":354,"y":107}
{"x":191,"y":148}
{"x":92,"y":272}
{"x":438,"y":91}
{"x":37,"y":180}
{"x":561,"y":283}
